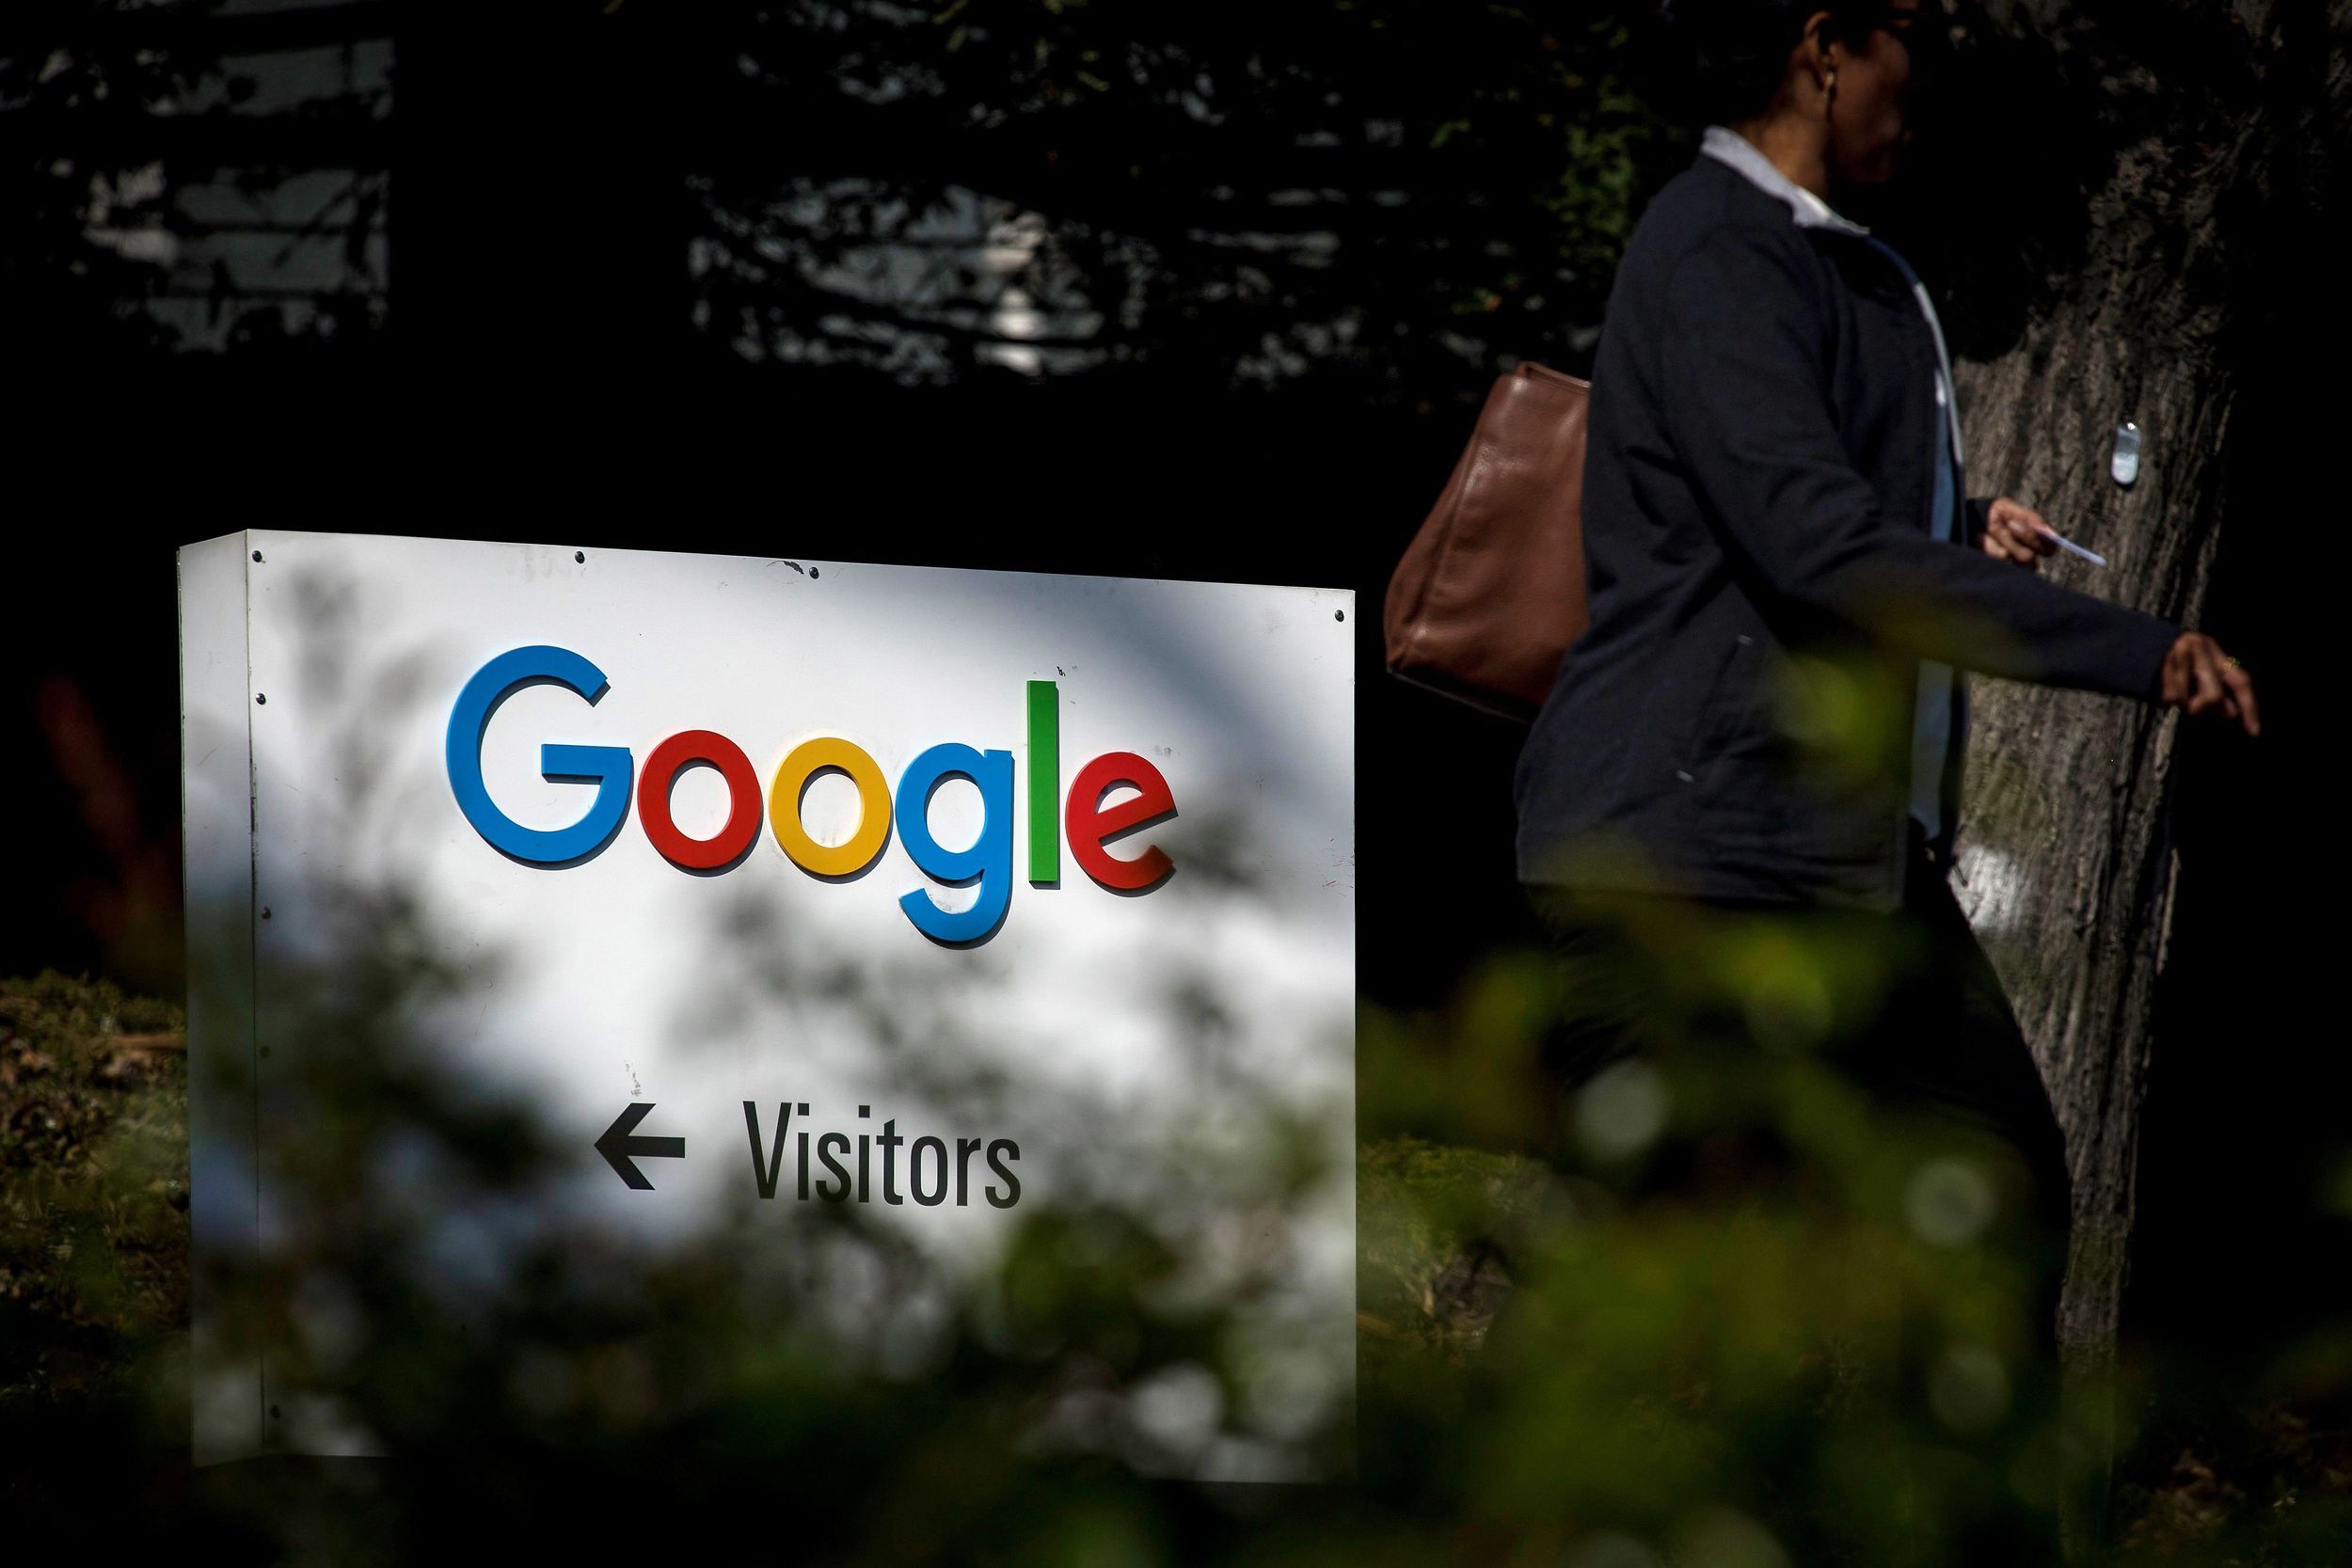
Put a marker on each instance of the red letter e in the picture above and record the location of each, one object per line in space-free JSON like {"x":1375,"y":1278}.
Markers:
{"x":1088,"y":824}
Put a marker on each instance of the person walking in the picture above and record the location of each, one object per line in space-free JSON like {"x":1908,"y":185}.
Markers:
{"x":1755,"y":745}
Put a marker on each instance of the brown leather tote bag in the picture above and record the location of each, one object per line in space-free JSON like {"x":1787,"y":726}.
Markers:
{"x":1491,"y":590}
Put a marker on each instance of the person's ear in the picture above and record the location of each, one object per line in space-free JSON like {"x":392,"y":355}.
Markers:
{"x":1821,"y":52}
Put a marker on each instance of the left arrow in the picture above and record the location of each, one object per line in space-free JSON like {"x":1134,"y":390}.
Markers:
{"x":622,"y":1151}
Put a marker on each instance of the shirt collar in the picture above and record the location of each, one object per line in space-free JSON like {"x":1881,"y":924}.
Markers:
{"x":1810,"y":211}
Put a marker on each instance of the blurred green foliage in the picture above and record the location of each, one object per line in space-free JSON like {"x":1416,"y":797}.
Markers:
{"x":1554,"y":1366}
{"x":93,"y":1198}
{"x":1689,"y":1305}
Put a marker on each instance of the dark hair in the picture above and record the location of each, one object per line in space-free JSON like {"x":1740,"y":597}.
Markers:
{"x":1740,"y":48}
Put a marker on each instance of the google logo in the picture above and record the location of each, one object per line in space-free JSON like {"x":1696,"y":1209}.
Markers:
{"x":1088,"y":824}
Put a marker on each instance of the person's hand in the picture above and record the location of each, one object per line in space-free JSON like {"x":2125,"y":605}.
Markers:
{"x":2013,"y":532}
{"x":2198,"y":677}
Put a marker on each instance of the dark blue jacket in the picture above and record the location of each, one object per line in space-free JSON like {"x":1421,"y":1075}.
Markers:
{"x":1757,"y":479}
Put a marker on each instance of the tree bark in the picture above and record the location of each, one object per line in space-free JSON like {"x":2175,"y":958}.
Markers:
{"x":2192,"y":138}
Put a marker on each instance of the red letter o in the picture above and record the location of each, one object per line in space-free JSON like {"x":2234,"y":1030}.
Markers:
{"x":743,"y":800}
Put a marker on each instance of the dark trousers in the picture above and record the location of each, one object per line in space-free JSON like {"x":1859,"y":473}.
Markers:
{"x":1741,"y":1009}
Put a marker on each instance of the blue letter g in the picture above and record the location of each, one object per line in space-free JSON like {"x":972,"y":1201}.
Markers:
{"x":608,"y":765}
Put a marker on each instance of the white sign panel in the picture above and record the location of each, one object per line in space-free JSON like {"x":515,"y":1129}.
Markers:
{"x":945,"y":894}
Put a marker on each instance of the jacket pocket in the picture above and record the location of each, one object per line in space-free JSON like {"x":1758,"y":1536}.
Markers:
{"x":1720,"y":710}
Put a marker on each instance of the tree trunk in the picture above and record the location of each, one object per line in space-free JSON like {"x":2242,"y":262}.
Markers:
{"x":2185,"y":140}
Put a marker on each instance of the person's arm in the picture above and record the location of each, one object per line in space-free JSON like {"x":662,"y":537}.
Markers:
{"x":1746,"y":399}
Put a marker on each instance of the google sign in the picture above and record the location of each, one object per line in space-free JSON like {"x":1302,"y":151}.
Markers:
{"x":987,"y":860}
{"x":525,"y":870}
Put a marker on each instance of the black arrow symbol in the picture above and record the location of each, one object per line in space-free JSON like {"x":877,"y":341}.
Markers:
{"x":618,"y":1147}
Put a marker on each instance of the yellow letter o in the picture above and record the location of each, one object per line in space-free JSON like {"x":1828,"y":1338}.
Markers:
{"x":808,"y":759}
